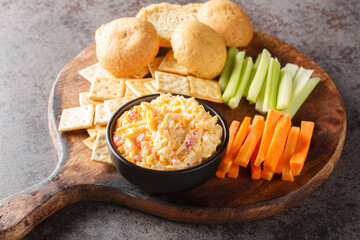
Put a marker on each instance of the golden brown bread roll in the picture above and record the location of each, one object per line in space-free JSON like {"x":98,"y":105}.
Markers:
{"x":166,"y":17}
{"x":199,"y":48}
{"x":228,"y":20}
{"x":126,"y":45}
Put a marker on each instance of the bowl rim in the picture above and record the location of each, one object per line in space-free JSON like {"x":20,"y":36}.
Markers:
{"x":213,"y":112}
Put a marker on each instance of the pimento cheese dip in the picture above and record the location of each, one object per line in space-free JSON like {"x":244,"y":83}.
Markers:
{"x":168,"y":133}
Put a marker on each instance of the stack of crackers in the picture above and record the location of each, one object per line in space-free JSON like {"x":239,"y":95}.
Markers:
{"x":108,"y":93}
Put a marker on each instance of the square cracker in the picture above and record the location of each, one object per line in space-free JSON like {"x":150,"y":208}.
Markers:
{"x":101,"y":152}
{"x":141,"y":72}
{"x":151,"y":87}
{"x":137,"y":86}
{"x":95,"y":71}
{"x":153,"y":82}
{"x":113,"y":104}
{"x":170,"y":64}
{"x":107,"y":88}
{"x":101,"y":115}
{"x":167,"y":82}
{"x":129,"y":93}
{"x":153,"y":66}
{"x":94,"y":131}
{"x":76,"y":118}
{"x":89,"y":143}
{"x":205,"y":89}
{"x":85,"y":100}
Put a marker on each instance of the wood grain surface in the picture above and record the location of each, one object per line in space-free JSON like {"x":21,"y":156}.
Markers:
{"x":76,"y":178}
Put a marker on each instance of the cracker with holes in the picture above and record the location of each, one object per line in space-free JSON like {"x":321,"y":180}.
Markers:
{"x":101,"y":115}
{"x":95,"y":71}
{"x":85,"y":100}
{"x":153,"y":66}
{"x":76,"y":118}
{"x":89,"y":143}
{"x":151,"y":87}
{"x":137,"y":86}
{"x":94,"y":131}
{"x":100,"y":152}
{"x":141,"y":73}
{"x":129,"y":93}
{"x":107,"y":88}
{"x":167,"y":82}
{"x":205,"y":89}
{"x":169,"y":64}
{"x":114,"y":104}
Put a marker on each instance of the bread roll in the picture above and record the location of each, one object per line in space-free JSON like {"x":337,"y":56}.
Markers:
{"x":165,"y":17}
{"x":199,"y":48}
{"x":228,"y":20}
{"x":126,"y":45}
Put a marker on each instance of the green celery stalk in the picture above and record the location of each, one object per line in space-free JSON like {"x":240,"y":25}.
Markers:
{"x":275,"y":84}
{"x":285,"y":89}
{"x":272,"y":84}
{"x":253,"y":72}
{"x":268,"y":84}
{"x":293,"y":68}
{"x":259,"y":77}
{"x":300,"y":80}
{"x":234,"y":78}
{"x":300,"y":99}
{"x":259,"y":105}
{"x":226,"y":72}
{"x":244,"y":78}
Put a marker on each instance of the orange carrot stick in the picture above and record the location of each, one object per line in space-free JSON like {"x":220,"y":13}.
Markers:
{"x":266,"y":175}
{"x":288,"y":152}
{"x":270,"y":124}
{"x":234,"y":171}
{"x":220,"y":173}
{"x":302,"y":147}
{"x":277,"y":143}
{"x":256,"y":131}
{"x":280,"y":165}
{"x":238,"y":141}
{"x":234,"y":127}
{"x":255,"y":171}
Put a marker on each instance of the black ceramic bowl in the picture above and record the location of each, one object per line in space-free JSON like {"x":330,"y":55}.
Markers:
{"x":165,"y":181}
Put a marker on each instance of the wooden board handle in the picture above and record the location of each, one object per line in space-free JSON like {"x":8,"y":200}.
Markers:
{"x":21,"y":212}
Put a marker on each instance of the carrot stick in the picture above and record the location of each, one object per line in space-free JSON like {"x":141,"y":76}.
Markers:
{"x":255,"y":171}
{"x":238,"y":141}
{"x":234,"y":127}
{"x":245,"y":152}
{"x":277,"y":143}
{"x":302,"y":147}
{"x":270,"y":124}
{"x":280,"y":165}
{"x":289,"y":151}
{"x":234,"y":171}
{"x":266,"y":175}
{"x":220,"y":173}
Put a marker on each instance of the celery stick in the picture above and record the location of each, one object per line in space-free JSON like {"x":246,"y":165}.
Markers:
{"x":226,"y":72}
{"x":234,"y":78}
{"x":300,"y":80}
{"x":272,"y":84}
{"x":253,"y":71}
{"x":293,"y":69}
{"x":300,"y":99}
{"x":275,"y":84}
{"x":244,"y":78}
{"x":285,"y":89}
{"x":259,"y":77}
{"x":259,"y":106}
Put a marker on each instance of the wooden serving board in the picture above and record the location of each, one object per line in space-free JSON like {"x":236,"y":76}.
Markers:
{"x":76,"y":178}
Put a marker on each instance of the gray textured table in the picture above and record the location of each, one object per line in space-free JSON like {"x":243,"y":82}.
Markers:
{"x":37,"y":38}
